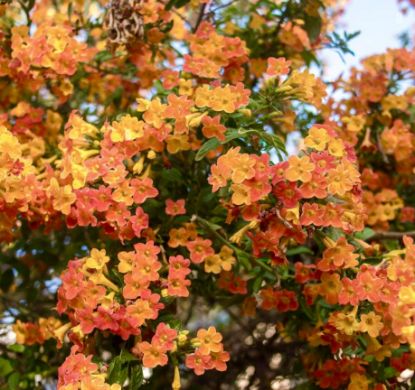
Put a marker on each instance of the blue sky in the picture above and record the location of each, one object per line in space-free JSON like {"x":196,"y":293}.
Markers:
{"x":380,"y":23}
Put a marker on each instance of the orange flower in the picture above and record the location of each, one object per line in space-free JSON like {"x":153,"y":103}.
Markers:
{"x":330,"y":287}
{"x":341,"y":179}
{"x":198,"y":362}
{"x":177,"y":237}
{"x":213,"y":128}
{"x":177,"y":285}
{"x":340,"y":255}
{"x":299,"y":168}
{"x":232,"y":165}
{"x":153,"y":354}
{"x":278,"y":66}
{"x":199,"y":249}
{"x":139,"y":312}
{"x":154,"y":114}
{"x":208,"y":341}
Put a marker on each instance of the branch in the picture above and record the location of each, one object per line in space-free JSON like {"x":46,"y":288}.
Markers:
{"x":224,"y":241}
{"x":200,"y":17}
{"x":391,"y":235}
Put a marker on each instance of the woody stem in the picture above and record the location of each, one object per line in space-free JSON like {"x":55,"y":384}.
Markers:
{"x":237,"y":250}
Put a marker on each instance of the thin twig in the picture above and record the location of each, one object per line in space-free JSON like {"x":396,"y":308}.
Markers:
{"x":391,"y":235}
{"x":205,"y":224}
{"x":381,"y":150}
{"x":200,"y":17}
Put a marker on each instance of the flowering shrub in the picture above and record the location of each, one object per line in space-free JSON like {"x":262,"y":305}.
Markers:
{"x":154,"y":230}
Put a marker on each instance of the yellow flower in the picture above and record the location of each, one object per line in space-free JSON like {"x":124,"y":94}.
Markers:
{"x":185,"y":87}
{"x":128,"y":128}
{"x":336,"y":147}
{"x":97,"y":259}
{"x":227,"y":260}
{"x":317,"y":139}
{"x":345,"y":322}
{"x":79,"y":174}
{"x":63,"y":197}
{"x":143,"y":104}
{"x":213,"y":264}
{"x":371,"y":323}
{"x":241,"y":194}
{"x":354,"y":123}
{"x":9,"y":144}
{"x":195,"y":119}
{"x":407,"y":295}
{"x":126,"y":261}
{"x":358,"y":382}
{"x":177,"y":143}
{"x":155,"y":113}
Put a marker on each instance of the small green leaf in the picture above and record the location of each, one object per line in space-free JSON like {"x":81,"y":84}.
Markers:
{"x":5,"y":367}
{"x":118,"y":372}
{"x":365,"y":234}
{"x":298,"y":250}
{"x":257,"y":284}
{"x":213,"y":143}
{"x":103,"y":56}
{"x":16,"y":348}
{"x":389,"y":372}
{"x":176,"y":4}
{"x":13,"y":381}
{"x":136,"y":377}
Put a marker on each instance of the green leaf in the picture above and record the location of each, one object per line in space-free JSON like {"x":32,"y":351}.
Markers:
{"x":313,"y":26}
{"x":365,"y":234}
{"x":299,"y":250}
{"x":244,"y":260}
{"x":213,"y":143}
{"x":118,"y":373}
{"x":136,"y":377}
{"x":119,"y":367}
{"x":389,"y":372}
{"x":13,"y":381}
{"x":16,"y":348}
{"x":103,"y":56}
{"x":172,"y":175}
{"x":212,"y":226}
{"x":171,"y":320}
{"x":127,"y":356}
{"x":272,"y":140}
{"x":257,"y":284}
{"x":5,"y":367}
{"x":176,"y":4}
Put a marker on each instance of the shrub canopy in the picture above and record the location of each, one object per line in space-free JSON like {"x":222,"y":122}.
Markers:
{"x":159,"y":225}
